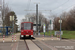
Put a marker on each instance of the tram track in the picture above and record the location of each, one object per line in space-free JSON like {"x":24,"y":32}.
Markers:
{"x":49,"y":46}
{"x":26,"y":45}
{"x":43,"y":46}
{"x":31,"y":45}
{"x":36,"y":45}
{"x":39,"y":46}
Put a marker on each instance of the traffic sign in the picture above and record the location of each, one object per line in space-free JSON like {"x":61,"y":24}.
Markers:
{"x":60,"y":21}
{"x":58,"y":32}
{"x":44,"y":28}
{"x":35,"y":24}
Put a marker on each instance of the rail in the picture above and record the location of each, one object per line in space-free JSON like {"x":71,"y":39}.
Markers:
{"x":26,"y":45}
{"x":36,"y":44}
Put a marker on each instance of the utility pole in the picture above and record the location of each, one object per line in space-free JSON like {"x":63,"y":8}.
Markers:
{"x":60,"y":27}
{"x":1,"y":11}
{"x":37,"y":18}
{"x":37,"y":21}
{"x":3,"y":16}
{"x":50,"y":28}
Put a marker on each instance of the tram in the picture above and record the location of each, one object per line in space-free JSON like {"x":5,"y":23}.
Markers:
{"x":26,"y":30}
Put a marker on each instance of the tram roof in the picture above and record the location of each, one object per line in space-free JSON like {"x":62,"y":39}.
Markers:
{"x":26,"y":22}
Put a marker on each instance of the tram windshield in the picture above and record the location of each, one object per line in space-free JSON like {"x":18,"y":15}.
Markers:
{"x":27,"y":26}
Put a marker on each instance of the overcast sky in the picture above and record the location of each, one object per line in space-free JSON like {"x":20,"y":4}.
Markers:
{"x":56,"y":6}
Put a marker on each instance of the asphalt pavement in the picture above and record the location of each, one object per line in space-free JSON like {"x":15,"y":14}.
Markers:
{"x":7,"y":46}
{"x":46,"y":44}
{"x":61,"y":45}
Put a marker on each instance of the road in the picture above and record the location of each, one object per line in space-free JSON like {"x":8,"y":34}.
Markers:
{"x":61,"y":45}
{"x":46,"y":44}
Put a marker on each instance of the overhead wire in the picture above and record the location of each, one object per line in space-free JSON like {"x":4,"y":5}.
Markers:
{"x":52,"y":2}
{"x":58,"y":7}
{"x":65,"y":9}
{"x":61,"y":5}
{"x":28,"y":5}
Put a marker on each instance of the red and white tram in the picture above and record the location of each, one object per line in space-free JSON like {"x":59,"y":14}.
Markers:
{"x":26,"y":29}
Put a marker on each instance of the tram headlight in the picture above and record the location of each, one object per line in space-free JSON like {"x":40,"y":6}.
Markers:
{"x":22,"y":36}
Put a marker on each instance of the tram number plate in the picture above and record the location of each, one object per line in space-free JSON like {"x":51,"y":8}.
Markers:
{"x":27,"y":35}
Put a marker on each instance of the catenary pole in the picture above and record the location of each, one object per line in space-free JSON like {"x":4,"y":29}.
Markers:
{"x":37,"y":18}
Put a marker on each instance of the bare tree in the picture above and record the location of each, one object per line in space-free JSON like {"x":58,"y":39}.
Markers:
{"x":68,"y":20}
{"x":32,"y":18}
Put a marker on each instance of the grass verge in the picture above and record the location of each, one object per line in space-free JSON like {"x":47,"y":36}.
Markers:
{"x":66,"y":34}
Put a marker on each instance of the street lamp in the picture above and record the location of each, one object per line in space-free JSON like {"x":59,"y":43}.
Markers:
{"x":12,"y":19}
{"x":60,"y":21}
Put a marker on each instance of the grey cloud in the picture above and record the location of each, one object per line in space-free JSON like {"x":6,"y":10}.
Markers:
{"x":20,"y":5}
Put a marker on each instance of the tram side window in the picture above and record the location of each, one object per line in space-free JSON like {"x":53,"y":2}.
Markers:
{"x":22,"y":26}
